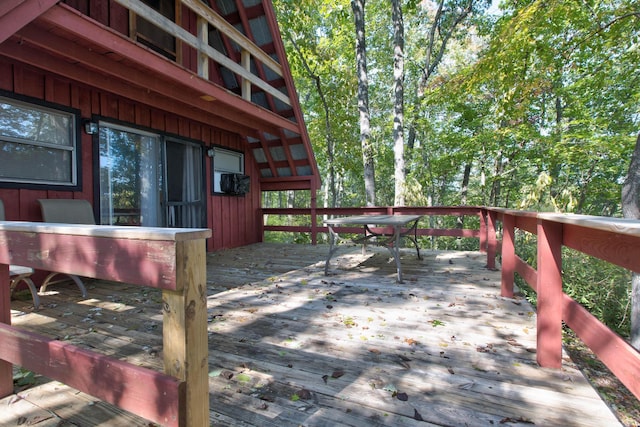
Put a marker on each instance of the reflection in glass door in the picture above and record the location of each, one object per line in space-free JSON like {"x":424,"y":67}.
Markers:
{"x":141,"y":186}
{"x":130,"y":177}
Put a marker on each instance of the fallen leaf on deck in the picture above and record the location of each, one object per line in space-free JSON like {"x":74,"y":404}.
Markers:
{"x":391,"y":388}
{"x":325,"y":378}
{"x":411,"y":341}
{"x":304,"y":394}
{"x":416,"y":415}
{"x":451,"y":371}
{"x":243,"y":378}
{"x":402,"y":396}
{"x":337,"y":373}
{"x":226,"y":374}
{"x":374,"y":351}
{"x":516,"y":420}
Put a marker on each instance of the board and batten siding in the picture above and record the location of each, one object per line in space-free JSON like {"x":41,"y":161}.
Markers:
{"x":235,"y":221}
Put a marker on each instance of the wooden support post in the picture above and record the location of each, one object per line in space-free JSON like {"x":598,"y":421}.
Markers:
{"x":6,"y":368}
{"x":314,"y":213}
{"x":203,"y":38}
{"x":185,"y":344}
{"x":549,"y":287}
{"x":491,"y":240}
{"x":245,"y":58}
{"x":508,"y":255}
{"x":482,"y":216}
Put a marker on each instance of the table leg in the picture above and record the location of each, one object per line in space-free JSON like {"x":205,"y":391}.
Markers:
{"x":397,"y":253}
{"x":332,"y":248}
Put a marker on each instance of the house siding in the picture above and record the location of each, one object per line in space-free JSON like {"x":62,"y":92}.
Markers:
{"x":235,"y":221}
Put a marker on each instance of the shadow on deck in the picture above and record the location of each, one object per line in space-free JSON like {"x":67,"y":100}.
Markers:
{"x":289,"y":346}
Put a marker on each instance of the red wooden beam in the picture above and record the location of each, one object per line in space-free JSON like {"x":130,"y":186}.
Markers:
{"x":15,"y":14}
{"x":549,"y":320}
{"x":85,"y":28}
{"x":6,"y":369}
{"x":150,"y":394}
{"x":508,"y":256}
{"x":146,"y":263}
{"x":620,"y":357}
{"x":616,"y":248}
{"x":491,"y":241}
{"x":528,"y":273}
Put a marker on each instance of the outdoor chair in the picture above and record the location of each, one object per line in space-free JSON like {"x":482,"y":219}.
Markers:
{"x":18,"y":273}
{"x":66,"y":211}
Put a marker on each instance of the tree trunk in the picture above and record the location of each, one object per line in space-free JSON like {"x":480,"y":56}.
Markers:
{"x":398,"y":103}
{"x":631,"y":209}
{"x":363,"y":104}
{"x":463,"y":192}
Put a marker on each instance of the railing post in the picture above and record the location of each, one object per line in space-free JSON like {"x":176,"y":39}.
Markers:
{"x":491,"y":240}
{"x":185,"y":340}
{"x":6,"y":368}
{"x":245,"y":59}
{"x":203,"y":37}
{"x":314,"y":218}
{"x":483,"y":229}
{"x":549,"y":284}
{"x":508,"y":255}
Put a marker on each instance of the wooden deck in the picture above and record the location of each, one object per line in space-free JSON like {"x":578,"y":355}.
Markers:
{"x":289,"y":346}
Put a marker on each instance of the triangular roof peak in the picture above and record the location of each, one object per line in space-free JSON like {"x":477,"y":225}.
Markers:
{"x":222,"y":62}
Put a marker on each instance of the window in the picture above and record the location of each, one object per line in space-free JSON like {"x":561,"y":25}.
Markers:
{"x":38,"y":144}
{"x":153,"y":36}
{"x":224,"y":162}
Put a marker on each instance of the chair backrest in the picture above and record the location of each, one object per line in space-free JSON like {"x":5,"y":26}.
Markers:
{"x":2,"y":217}
{"x":67,"y":211}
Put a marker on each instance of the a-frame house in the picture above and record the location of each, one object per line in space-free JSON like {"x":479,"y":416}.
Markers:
{"x":160,"y":113}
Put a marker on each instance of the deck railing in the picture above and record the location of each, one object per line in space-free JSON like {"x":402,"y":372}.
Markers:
{"x":206,"y":17}
{"x":614,"y":240}
{"x":172,"y":260}
{"x":313,"y":217}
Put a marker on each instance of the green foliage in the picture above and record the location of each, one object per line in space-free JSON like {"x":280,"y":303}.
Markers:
{"x":542,"y":101}
{"x":24,"y":378}
{"x":602,"y":288}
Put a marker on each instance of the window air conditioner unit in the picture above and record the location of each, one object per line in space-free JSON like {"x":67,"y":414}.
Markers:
{"x":234,"y":183}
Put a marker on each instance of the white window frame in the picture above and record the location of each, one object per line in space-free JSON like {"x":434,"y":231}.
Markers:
{"x":225,"y":161}
{"x":37,"y":141}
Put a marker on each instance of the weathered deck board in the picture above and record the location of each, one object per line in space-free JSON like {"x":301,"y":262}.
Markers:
{"x":289,"y":346}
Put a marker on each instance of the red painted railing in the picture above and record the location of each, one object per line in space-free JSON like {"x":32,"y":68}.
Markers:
{"x":316,"y":215}
{"x":172,"y":260}
{"x":611,"y":239}
{"x":614,"y":240}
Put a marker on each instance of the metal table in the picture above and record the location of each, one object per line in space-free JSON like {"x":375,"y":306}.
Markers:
{"x":401,"y":226}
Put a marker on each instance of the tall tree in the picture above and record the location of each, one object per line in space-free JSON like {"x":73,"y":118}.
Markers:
{"x":398,"y":102}
{"x":631,"y":209}
{"x":368,"y":152}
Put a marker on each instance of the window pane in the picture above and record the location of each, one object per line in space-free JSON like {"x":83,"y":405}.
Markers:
{"x":30,"y":163}
{"x":130,"y":177}
{"x":37,"y":125}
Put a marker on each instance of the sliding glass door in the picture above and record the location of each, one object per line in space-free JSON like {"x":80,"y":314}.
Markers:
{"x":185,"y":189}
{"x":148,"y":180}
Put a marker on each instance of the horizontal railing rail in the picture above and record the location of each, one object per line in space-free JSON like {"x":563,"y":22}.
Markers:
{"x":313,"y":225}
